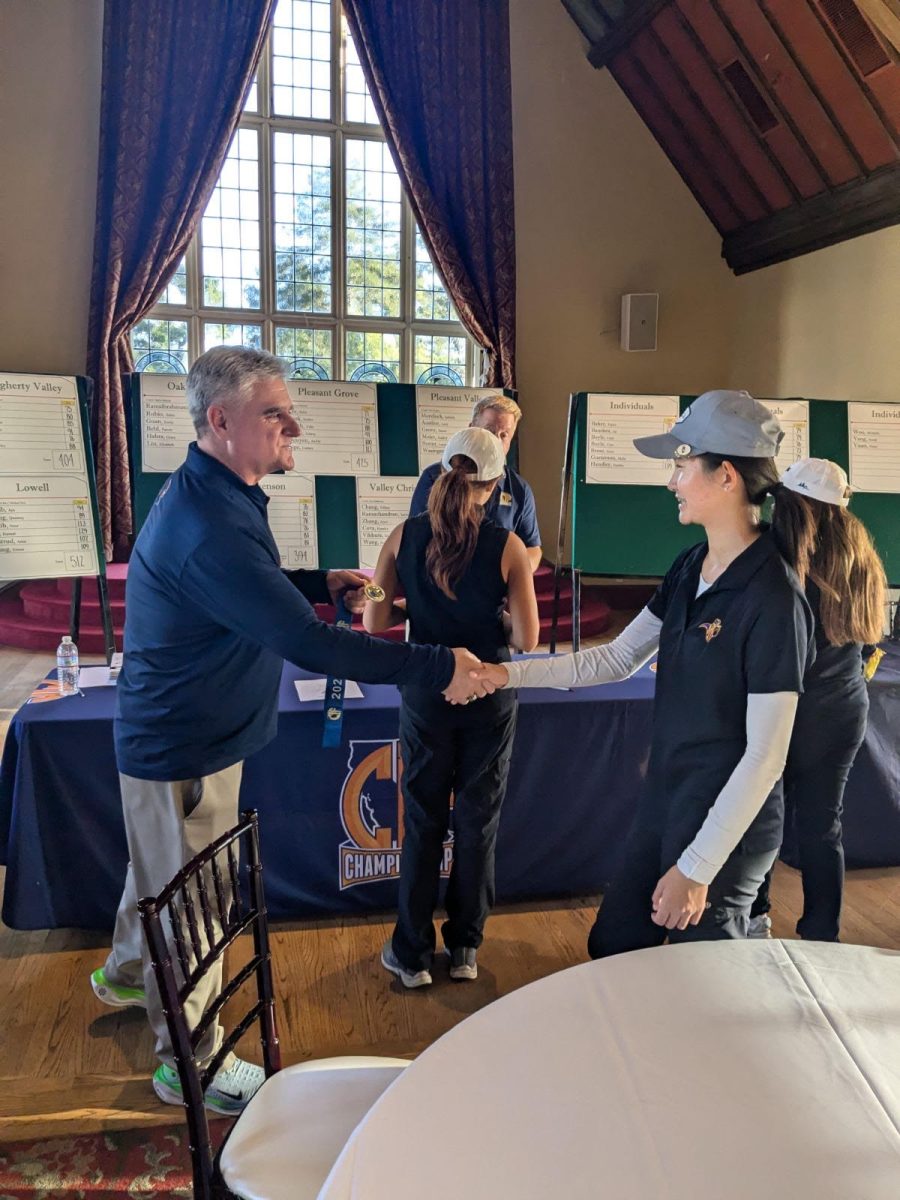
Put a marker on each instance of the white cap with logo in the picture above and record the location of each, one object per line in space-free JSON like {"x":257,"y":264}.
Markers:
{"x":483,"y":447}
{"x":820,"y":479}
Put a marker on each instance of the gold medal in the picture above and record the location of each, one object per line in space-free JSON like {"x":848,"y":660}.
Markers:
{"x":374,"y":592}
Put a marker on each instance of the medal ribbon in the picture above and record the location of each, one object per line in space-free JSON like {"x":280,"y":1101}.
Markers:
{"x":334,"y":688}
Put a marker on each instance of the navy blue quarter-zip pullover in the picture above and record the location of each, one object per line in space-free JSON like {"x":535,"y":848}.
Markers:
{"x":210,"y":616}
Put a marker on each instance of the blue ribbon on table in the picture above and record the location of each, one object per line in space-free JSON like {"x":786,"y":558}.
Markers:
{"x":334,"y":688}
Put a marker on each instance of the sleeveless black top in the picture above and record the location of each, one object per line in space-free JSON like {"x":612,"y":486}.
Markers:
{"x":474,"y":618}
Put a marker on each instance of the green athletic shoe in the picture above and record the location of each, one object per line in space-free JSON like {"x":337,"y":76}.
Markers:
{"x":114,"y":995}
{"x":229,"y":1092}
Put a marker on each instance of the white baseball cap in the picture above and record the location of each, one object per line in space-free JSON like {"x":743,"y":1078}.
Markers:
{"x":483,"y":447}
{"x":820,"y":479}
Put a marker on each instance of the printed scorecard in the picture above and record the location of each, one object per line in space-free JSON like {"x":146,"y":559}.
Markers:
{"x":47,"y":524}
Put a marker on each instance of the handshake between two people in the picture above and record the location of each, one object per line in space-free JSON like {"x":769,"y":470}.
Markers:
{"x":473,"y":679}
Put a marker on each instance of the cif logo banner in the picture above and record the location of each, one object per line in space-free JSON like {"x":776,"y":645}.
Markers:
{"x":372,"y":815}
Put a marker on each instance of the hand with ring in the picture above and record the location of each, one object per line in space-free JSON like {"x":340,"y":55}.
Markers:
{"x":462,"y":688}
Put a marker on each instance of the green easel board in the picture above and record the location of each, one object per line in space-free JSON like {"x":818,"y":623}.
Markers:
{"x":620,"y":529}
{"x":634,"y":530}
{"x":829,"y":437}
{"x":336,"y":512}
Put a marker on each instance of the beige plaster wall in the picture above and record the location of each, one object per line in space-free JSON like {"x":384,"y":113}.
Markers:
{"x":824,"y":325}
{"x":599,"y":211}
{"x":50,"y":60}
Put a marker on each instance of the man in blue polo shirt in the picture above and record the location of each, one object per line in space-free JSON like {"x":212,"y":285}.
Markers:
{"x":512,"y":503}
{"x":210,"y":616}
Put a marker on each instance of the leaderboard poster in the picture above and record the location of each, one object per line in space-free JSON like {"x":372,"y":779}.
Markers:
{"x":441,"y":412}
{"x":356,"y":461}
{"x":874,"y":437}
{"x":48,"y":523}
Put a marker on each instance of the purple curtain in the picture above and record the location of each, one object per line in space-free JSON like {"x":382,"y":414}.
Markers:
{"x":439,"y":74}
{"x":175,"y":76}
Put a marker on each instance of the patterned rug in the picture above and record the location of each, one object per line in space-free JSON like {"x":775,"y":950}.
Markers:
{"x":134,"y":1163}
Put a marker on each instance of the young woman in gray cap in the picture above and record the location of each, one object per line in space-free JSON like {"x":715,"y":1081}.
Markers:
{"x":845,"y":588}
{"x":735,"y":636}
{"x":458,"y":571}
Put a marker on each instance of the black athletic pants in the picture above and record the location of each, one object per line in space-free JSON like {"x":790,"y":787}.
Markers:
{"x":624,"y":921}
{"x":827,"y":735}
{"x":464,"y":750}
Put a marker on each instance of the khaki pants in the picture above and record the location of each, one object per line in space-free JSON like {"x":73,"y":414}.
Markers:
{"x":167,"y":824}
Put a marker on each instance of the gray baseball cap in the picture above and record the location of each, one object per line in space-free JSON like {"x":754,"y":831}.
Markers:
{"x":719,"y":422}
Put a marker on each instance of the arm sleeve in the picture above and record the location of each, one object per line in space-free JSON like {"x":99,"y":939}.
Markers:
{"x":526,"y":522}
{"x":635,"y":645}
{"x":238,"y":583}
{"x":419,"y":502}
{"x":312,"y":585}
{"x":770,"y":719}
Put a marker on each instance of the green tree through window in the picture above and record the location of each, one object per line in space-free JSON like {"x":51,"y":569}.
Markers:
{"x":308,"y":246}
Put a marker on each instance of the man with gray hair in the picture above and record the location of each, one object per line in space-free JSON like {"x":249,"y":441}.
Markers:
{"x":210,"y":616}
{"x":512,"y":503}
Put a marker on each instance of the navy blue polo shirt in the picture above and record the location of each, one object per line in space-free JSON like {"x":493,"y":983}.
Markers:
{"x":511,"y":504}
{"x":750,"y":633}
{"x":209,"y":617}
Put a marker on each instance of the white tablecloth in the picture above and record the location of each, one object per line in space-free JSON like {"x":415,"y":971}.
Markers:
{"x":754,"y":1070}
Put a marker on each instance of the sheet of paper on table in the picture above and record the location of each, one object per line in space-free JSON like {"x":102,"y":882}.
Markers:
{"x":89,"y":677}
{"x":314,"y":689}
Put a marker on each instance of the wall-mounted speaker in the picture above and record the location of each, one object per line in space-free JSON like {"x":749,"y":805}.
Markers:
{"x":640,"y":311}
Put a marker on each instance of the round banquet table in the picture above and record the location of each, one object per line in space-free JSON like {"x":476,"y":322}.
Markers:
{"x":712,"y":1071}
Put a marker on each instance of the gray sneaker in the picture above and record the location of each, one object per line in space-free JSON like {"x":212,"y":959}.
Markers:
{"x":409,"y":979}
{"x":760,"y":927}
{"x":462,"y":962}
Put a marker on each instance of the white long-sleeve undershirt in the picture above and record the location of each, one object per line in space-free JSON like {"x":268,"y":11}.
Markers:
{"x":770,"y":719}
{"x":616,"y":660}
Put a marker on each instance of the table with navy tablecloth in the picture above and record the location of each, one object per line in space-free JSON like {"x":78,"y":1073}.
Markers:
{"x":331,"y":821}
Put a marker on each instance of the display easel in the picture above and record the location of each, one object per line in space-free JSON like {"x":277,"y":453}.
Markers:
{"x":629,"y":530}
{"x":48,"y":481}
{"x":564,"y":489}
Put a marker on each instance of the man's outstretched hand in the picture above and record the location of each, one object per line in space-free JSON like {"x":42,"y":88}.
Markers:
{"x":350,"y":584}
{"x":462,"y":688}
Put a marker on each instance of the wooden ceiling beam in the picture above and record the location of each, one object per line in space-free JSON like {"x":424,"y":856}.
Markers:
{"x":639,"y":14}
{"x":848,"y":211}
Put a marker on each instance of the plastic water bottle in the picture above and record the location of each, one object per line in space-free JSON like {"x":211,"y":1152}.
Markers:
{"x":67,"y":666}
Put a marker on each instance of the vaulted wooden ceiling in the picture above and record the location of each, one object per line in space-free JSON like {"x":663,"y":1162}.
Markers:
{"x":782,"y":116}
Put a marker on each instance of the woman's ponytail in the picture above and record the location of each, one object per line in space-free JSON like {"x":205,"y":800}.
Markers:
{"x":455,"y":517}
{"x":794,"y":529}
{"x":793,"y":526}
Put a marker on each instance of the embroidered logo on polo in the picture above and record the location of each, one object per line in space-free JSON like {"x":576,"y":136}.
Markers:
{"x":371,"y":811}
{"x":713,"y":628}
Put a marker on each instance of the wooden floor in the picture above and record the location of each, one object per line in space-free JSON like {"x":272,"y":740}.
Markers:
{"x":67,"y":1064}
